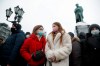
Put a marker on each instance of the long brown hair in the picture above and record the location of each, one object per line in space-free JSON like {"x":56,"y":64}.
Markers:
{"x":36,"y":28}
{"x":60,"y":29}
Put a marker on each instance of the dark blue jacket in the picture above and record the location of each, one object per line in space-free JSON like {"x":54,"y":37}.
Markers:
{"x":11,"y":48}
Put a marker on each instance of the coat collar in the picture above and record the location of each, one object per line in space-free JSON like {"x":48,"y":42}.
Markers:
{"x":33,"y":36}
{"x":56,"y":39}
{"x":75,"y":39}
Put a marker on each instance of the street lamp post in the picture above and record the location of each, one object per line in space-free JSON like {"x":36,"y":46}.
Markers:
{"x":18,"y":14}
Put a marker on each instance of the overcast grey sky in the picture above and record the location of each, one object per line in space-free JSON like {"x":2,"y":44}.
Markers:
{"x":46,"y":12}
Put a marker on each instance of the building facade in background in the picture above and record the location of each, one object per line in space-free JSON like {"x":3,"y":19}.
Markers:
{"x":4,"y":31}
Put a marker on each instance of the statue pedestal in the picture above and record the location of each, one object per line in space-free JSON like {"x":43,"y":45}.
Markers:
{"x":81,"y":27}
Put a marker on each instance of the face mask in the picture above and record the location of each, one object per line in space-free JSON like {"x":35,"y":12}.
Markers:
{"x":13,"y":30}
{"x":27,"y":36}
{"x":40,"y":34}
{"x":55,"y":30}
{"x":95,"y":32}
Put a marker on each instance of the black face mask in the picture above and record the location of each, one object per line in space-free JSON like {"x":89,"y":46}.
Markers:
{"x":13,"y":30}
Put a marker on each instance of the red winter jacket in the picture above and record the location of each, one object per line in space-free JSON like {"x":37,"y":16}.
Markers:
{"x":31,"y":45}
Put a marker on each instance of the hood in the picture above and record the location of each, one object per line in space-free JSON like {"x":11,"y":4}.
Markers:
{"x":82,"y":35}
{"x":92,"y":26}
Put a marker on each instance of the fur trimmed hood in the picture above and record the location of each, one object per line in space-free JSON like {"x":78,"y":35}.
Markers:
{"x":75,"y":39}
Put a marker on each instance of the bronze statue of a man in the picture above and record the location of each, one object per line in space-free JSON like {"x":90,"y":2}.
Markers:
{"x":79,"y":13}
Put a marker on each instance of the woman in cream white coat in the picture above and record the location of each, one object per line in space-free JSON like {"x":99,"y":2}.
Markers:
{"x":58,"y":46}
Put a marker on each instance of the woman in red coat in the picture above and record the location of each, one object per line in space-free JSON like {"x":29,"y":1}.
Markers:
{"x":33,"y":48}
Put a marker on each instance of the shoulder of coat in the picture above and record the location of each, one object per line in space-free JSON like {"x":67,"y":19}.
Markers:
{"x":28,"y":40}
{"x":49,"y":35}
{"x":66,"y":35}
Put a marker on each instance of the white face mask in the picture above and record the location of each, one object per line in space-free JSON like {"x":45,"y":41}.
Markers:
{"x":95,"y":32}
{"x":27,"y":36}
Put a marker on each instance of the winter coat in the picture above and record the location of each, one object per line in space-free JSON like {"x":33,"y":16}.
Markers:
{"x":31,"y":45}
{"x":75,"y":56}
{"x":10,"y":49}
{"x":91,"y":48}
{"x":60,"y":50}
{"x":91,"y":51}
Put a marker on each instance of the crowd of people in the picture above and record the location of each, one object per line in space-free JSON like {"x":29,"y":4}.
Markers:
{"x":59,"y":48}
